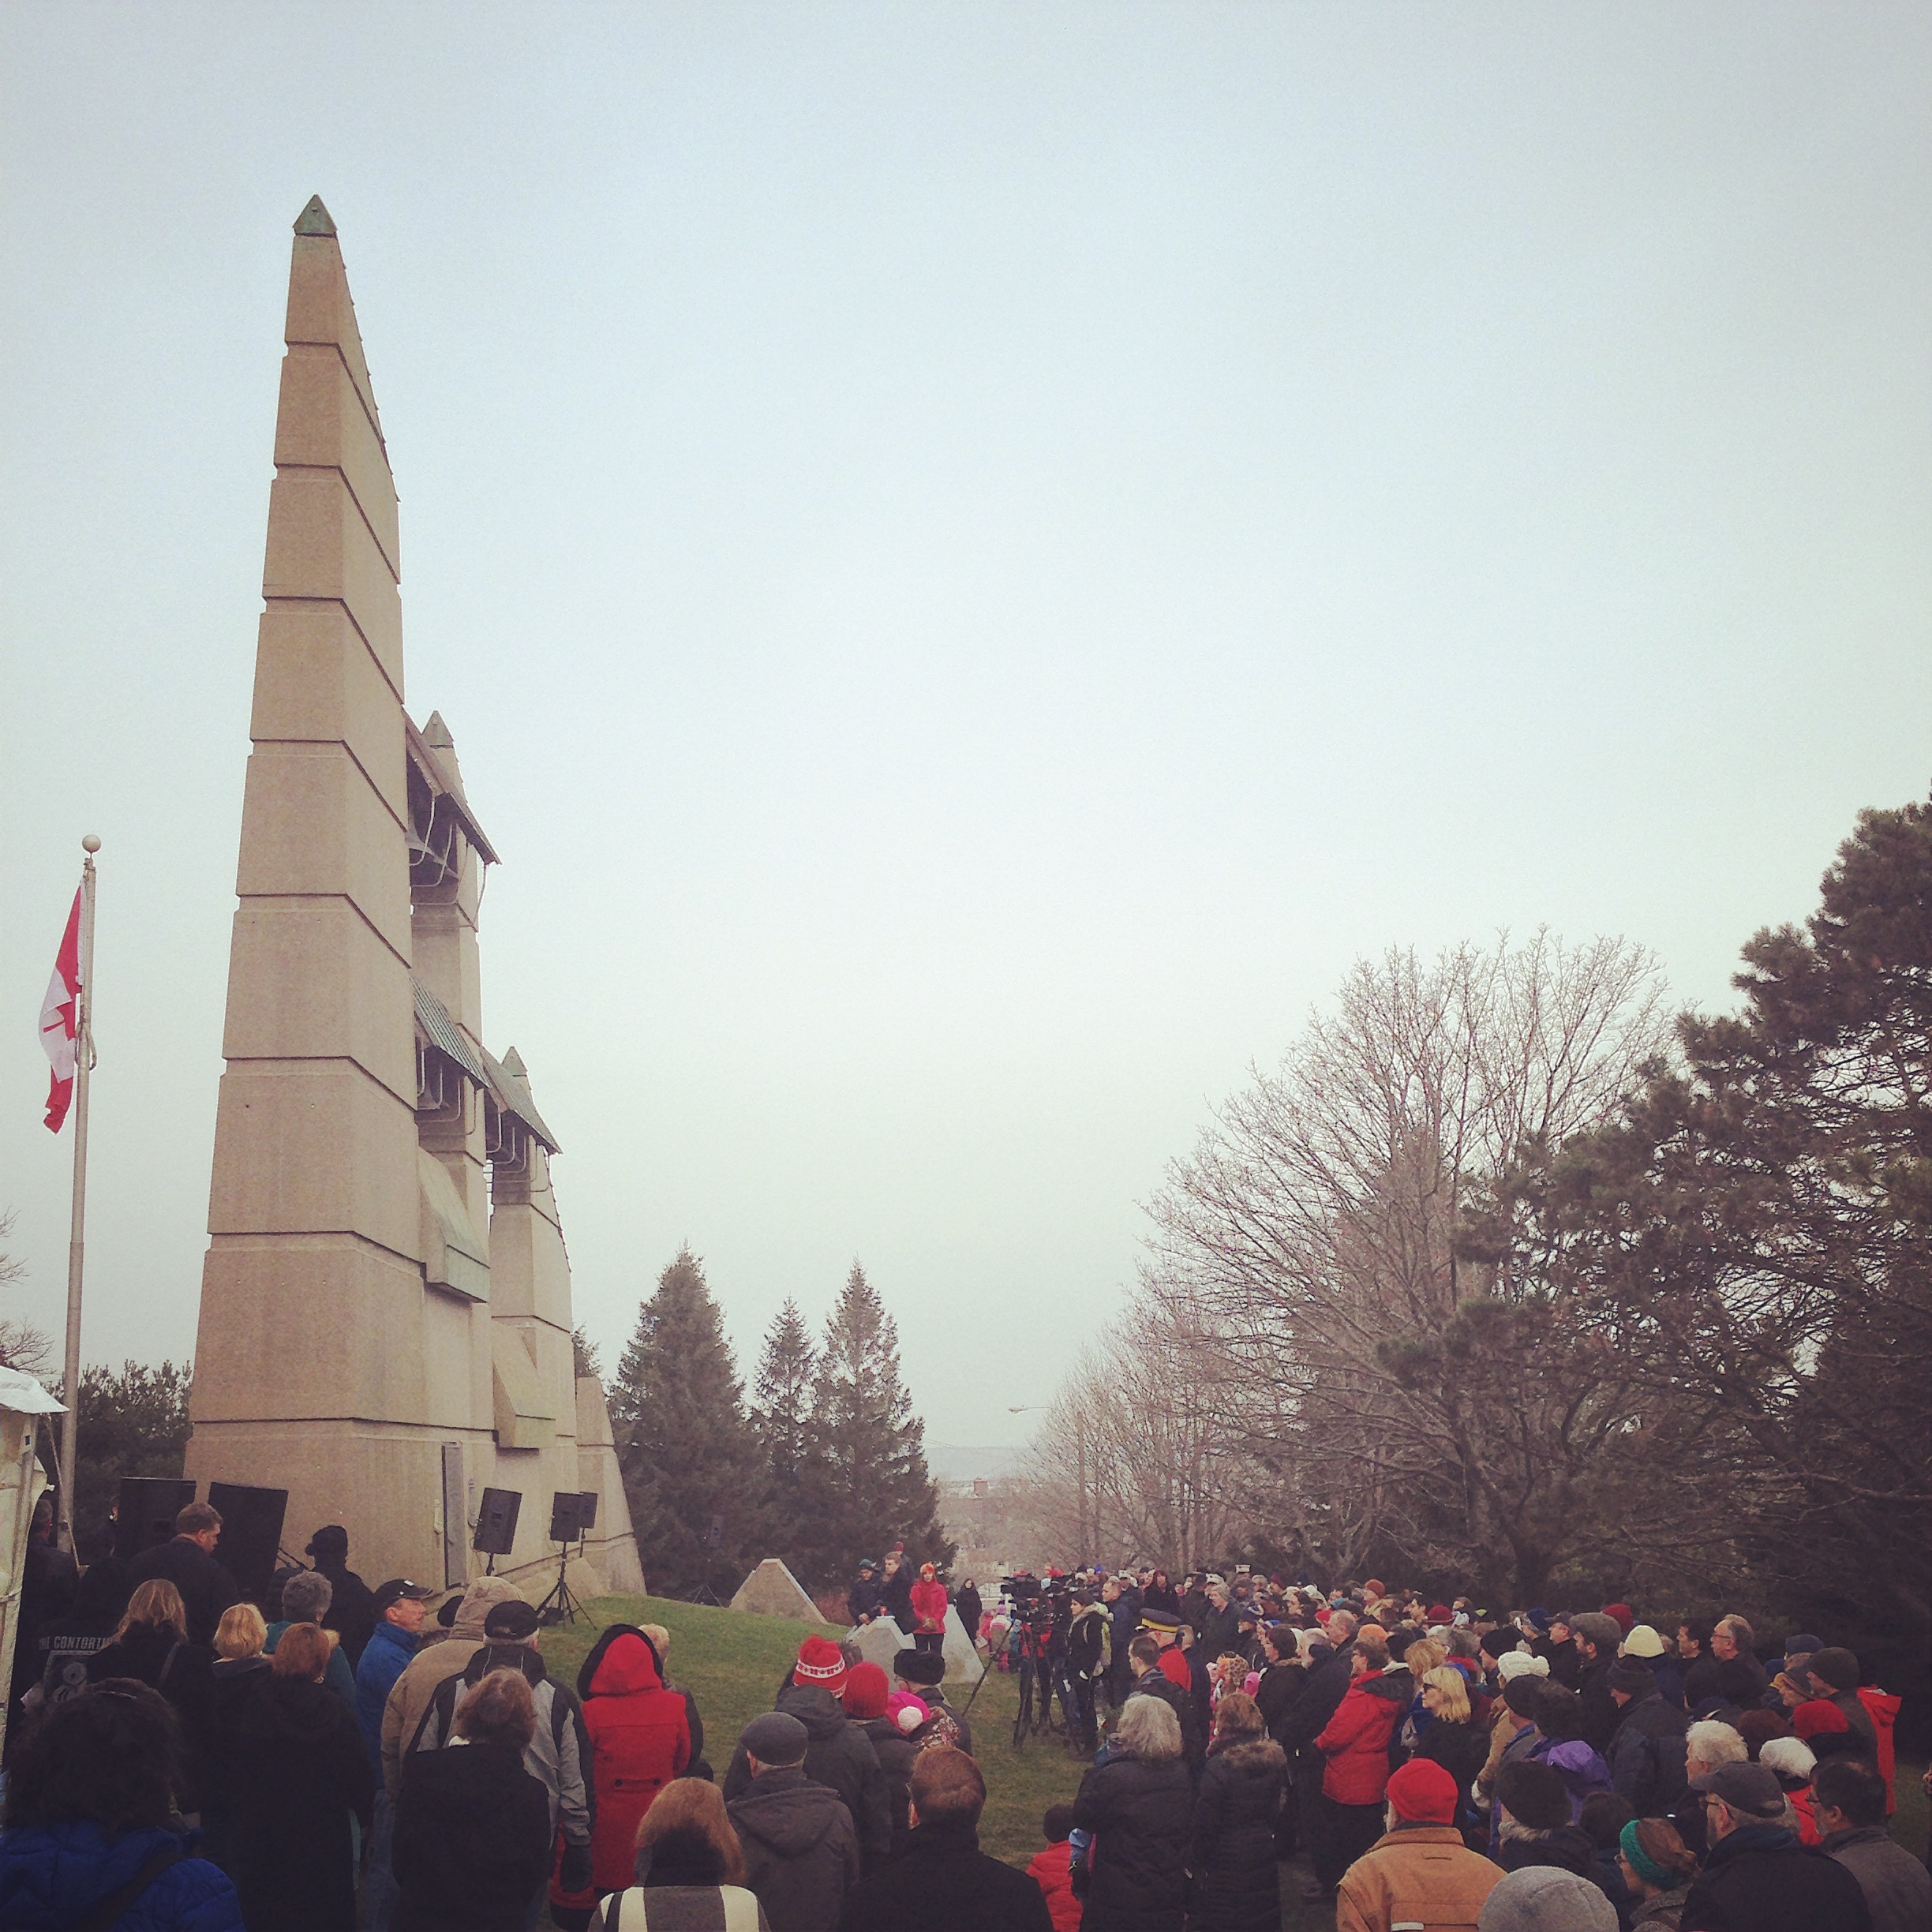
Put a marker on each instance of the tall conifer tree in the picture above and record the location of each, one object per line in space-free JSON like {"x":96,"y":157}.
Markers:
{"x":781,"y":1417}
{"x":867,"y":1482}
{"x":690,"y":1462}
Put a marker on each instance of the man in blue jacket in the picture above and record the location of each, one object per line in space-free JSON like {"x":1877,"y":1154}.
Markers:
{"x":400,"y":1612}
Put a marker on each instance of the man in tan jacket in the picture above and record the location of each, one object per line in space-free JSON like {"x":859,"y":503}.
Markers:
{"x":440,"y":1658}
{"x":1419,"y":1875}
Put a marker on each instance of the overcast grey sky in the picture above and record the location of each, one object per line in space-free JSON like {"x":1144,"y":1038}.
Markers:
{"x":975,"y":556}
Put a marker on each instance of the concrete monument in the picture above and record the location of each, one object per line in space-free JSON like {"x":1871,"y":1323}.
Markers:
{"x":771,"y":1590}
{"x":385,"y":1326}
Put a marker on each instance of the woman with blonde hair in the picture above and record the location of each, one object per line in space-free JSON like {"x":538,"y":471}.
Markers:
{"x":1456,"y":1742}
{"x":690,"y":1868}
{"x":239,"y":1671}
{"x":151,"y":1645}
{"x":302,"y":1771}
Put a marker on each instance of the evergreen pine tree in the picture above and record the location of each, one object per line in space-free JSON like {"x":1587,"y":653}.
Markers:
{"x":866,"y":1485}
{"x":781,"y":1418}
{"x":689,"y":1460}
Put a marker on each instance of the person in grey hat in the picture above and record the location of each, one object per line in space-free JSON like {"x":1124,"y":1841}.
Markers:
{"x":801,"y":1850}
{"x":1539,"y":1898}
{"x":1597,"y":1638}
{"x":1756,"y":1874}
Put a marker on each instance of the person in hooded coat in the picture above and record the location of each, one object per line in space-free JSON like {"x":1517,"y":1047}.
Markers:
{"x":472,"y":1842}
{"x":1236,"y":1881}
{"x":301,"y":1772}
{"x":838,"y":1754}
{"x":1139,"y":1809}
{"x":640,"y":1740}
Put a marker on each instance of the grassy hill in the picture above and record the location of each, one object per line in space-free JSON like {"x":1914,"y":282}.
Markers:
{"x":732,"y":1664}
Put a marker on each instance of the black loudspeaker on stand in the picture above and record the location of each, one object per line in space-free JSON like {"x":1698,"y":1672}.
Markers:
{"x":573,"y":1513}
{"x":496,"y":1525}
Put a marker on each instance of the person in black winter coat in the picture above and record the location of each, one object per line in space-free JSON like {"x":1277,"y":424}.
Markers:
{"x":943,"y":1882}
{"x":801,"y":1851}
{"x":970,"y":1609}
{"x":1756,"y":1874}
{"x":896,"y":1592}
{"x":472,"y":1845}
{"x":1237,"y":1882}
{"x":151,"y":1647}
{"x":187,"y":1560}
{"x":1326,"y":1684}
{"x":839,"y":1755}
{"x":1452,"y":1740}
{"x":1646,"y":1753}
{"x":301,"y":1770}
{"x":1139,"y":1807}
{"x":351,"y":1613}
{"x":239,"y":1671}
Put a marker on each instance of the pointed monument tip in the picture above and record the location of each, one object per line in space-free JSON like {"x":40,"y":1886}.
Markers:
{"x":512,"y":1064}
{"x":314,"y":220}
{"x":436,"y":734}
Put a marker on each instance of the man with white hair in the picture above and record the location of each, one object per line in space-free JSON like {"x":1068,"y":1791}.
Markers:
{"x":1708,"y":1744}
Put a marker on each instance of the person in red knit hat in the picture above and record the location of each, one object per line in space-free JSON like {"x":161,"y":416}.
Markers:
{"x":1420,"y":1857}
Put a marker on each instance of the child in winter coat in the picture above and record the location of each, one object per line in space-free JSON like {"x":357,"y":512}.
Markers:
{"x":1050,"y":1869}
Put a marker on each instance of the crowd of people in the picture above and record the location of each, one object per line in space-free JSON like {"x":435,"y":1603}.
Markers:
{"x":185,"y":1761}
{"x":1432,"y":1765}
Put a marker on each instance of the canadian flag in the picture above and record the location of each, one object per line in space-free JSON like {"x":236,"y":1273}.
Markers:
{"x":58,"y":1019}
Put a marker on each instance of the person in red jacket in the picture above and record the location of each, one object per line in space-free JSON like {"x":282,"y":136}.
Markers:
{"x":929,"y":1609}
{"x":1355,"y":1742}
{"x":640,"y":1739}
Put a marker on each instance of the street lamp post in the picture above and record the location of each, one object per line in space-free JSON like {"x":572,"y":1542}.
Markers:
{"x":1080,"y":1440}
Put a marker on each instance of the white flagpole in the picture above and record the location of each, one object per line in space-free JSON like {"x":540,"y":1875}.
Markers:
{"x":84,"y":1064}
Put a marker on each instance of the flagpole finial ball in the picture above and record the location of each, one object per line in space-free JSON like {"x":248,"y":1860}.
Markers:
{"x":90,"y":844}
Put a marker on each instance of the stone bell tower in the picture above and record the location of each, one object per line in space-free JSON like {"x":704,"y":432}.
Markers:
{"x":385,"y":1324}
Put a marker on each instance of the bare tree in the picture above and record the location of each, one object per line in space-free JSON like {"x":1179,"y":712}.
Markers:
{"x":1132,"y":1459}
{"x":22,"y":1344}
{"x":1308,"y":1247}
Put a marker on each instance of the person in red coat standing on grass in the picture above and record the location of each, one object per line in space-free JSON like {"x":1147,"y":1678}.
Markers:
{"x":640,"y":1739}
{"x":929,"y":1609}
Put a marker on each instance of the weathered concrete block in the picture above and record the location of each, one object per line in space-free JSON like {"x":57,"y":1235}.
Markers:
{"x":771,"y":1590}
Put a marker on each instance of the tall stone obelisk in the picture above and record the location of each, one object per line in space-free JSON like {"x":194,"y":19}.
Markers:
{"x":348,"y":1349}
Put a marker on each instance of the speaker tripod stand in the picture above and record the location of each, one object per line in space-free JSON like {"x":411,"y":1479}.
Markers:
{"x":562,"y":1605}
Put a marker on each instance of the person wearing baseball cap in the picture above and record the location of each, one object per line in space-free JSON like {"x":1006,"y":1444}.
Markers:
{"x":1756,"y":1874}
{"x":400,"y":1613}
{"x":837,"y":1752}
{"x":1420,"y":1855}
